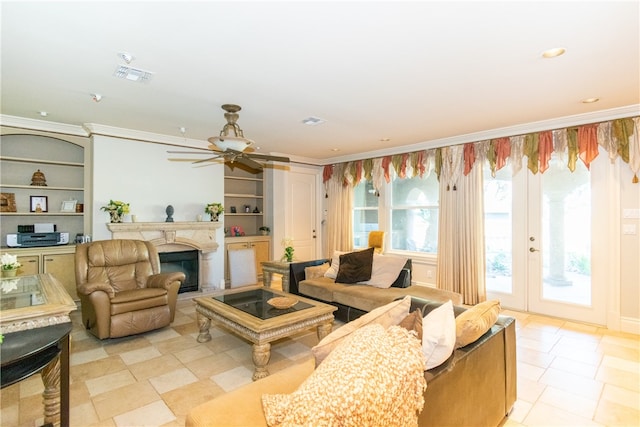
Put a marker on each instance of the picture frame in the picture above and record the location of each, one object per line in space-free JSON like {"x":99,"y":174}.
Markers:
{"x":233,"y":209}
{"x":8,"y":202}
{"x":38,"y":204}
{"x":68,"y":206}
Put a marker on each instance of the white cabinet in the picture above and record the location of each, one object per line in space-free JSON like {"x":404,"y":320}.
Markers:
{"x":261,"y":244}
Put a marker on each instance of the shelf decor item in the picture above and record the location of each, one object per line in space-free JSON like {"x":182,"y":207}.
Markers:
{"x":10,"y":265}
{"x":8,"y":202}
{"x":68,"y":206}
{"x":116,"y":210}
{"x":264,"y":230}
{"x":214,"y":209}
{"x":38,"y":204}
{"x":38,"y":179}
{"x":287,"y":242}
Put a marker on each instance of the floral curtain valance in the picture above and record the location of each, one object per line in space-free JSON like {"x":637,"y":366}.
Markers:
{"x":619,"y":138}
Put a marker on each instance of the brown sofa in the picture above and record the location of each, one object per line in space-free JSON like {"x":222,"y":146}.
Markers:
{"x":354,"y":300}
{"x":476,"y":386}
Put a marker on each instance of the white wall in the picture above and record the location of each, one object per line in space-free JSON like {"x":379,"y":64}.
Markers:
{"x":140,"y":174}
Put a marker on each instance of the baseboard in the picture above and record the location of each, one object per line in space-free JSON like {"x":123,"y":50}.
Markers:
{"x":630,"y":325}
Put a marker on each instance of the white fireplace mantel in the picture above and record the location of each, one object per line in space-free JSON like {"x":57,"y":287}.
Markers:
{"x":174,"y":236}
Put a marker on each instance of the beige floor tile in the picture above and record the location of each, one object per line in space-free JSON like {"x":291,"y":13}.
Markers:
{"x":544,"y":415}
{"x":621,"y":364}
{"x":9,"y":396}
{"x":619,"y":378}
{"x":621,"y":396}
{"x":176,"y":344}
{"x":10,"y":415}
{"x":534,"y":357}
{"x":529,"y":390}
{"x":140,"y":355}
{"x":572,"y":383}
{"x":161,"y":335}
{"x":575,"y":367}
{"x":193,"y":353}
{"x":121,"y":345}
{"x":234,"y":378}
{"x":183,"y":399}
{"x":97,"y":368}
{"x":32,"y":386}
{"x":619,"y":351}
{"x":529,"y":372}
{"x":154,"y":367}
{"x":205,"y":367}
{"x":569,"y":402}
{"x":83,"y":414}
{"x":172,"y":380}
{"x":87,"y":356}
{"x":124,"y":399}
{"x":615,"y":415}
{"x":520,"y":410}
{"x":109,"y":382}
{"x":153,"y":414}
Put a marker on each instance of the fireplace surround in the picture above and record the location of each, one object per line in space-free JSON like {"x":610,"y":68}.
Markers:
{"x":177,"y":237}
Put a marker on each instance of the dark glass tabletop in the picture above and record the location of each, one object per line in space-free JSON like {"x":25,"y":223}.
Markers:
{"x":254,"y":302}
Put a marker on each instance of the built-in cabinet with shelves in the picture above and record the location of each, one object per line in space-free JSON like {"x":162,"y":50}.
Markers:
{"x":244,"y":191}
{"x":65,"y":162}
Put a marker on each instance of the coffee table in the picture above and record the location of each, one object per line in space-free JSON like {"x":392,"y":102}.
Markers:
{"x":246,"y":313}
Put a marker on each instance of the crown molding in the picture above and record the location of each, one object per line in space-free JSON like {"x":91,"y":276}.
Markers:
{"x":42,"y":125}
{"x":525,"y":128}
{"x":137,"y":135}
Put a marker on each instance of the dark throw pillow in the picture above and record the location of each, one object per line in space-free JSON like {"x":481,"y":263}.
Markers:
{"x":355,"y":266}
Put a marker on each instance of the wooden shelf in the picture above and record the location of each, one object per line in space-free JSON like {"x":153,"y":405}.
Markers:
{"x":41,"y":214}
{"x":38,"y":187}
{"x":40,"y":161}
{"x":243,"y":196}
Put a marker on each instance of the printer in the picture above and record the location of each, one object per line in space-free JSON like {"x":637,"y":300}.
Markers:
{"x":31,"y":236}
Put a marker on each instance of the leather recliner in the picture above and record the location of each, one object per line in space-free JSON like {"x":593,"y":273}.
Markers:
{"x":122,"y":291}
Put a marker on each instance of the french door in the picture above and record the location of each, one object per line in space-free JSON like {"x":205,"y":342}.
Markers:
{"x":542,"y":234}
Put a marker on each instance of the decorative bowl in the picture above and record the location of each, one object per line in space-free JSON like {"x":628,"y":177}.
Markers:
{"x":282,"y":303}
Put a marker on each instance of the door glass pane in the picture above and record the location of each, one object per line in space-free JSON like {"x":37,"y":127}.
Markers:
{"x":365,"y":213}
{"x":566,"y":225}
{"x":498,"y":230}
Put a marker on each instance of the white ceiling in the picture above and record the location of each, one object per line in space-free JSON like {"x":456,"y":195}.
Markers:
{"x":415,"y":72}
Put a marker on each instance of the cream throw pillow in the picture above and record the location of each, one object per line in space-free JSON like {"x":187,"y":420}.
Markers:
{"x":373,"y":378}
{"x":385,"y":270}
{"x":387,"y":315}
{"x":438,"y":335}
{"x":332,"y":272}
{"x":475,"y":321}
{"x":316,"y":271}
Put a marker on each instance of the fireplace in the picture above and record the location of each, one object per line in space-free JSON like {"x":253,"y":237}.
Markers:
{"x":184,"y":261}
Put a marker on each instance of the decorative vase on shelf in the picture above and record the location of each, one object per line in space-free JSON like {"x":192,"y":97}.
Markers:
{"x":214,"y":217}
{"x":9,"y":273}
{"x":116,"y":217}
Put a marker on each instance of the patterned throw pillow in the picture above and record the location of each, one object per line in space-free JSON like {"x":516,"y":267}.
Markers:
{"x":374,"y":378}
{"x":413,"y":322}
{"x":316,"y":271}
{"x":475,"y":321}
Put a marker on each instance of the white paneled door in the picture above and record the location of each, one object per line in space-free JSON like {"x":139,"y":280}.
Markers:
{"x":542,"y":235}
{"x":302,"y":210}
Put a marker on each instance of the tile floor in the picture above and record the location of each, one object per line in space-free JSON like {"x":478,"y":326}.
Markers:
{"x":569,"y":374}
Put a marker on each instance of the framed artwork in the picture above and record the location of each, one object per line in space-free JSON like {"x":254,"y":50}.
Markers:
{"x":68,"y":206}
{"x":8,"y":202}
{"x":39,"y":204}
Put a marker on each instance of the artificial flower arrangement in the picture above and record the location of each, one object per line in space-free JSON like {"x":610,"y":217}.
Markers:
{"x":116,"y":206}
{"x":214,"y":208}
{"x":10,"y":262}
{"x":287,"y":242}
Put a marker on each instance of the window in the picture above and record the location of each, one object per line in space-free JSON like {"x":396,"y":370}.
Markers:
{"x":414,"y":214}
{"x":365,"y":213}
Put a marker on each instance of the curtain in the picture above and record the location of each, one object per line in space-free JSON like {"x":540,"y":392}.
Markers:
{"x":461,"y":257}
{"x":339,"y":216}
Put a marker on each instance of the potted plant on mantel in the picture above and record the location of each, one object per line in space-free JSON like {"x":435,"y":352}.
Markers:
{"x":264,"y":230}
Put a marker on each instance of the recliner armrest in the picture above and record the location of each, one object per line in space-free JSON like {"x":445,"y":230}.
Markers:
{"x":89,"y":288}
{"x":163,"y":280}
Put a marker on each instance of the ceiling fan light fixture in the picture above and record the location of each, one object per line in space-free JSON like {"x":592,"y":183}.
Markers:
{"x":231,"y":136}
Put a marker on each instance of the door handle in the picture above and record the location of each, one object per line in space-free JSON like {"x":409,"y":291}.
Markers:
{"x":534,"y":250}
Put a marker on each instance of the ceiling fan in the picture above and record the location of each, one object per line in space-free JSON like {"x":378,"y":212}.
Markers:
{"x":231,"y":145}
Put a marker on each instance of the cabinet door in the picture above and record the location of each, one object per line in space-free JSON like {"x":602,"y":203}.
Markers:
{"x":263,"y":253}
{"x":30,"y":265}
{"x":231,"y":246}
{"x":62,"y":267}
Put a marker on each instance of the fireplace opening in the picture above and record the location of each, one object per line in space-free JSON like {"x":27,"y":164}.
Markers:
{"x":186,"y":262}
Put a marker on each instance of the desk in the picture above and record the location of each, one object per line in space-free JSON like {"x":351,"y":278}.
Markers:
{"x":34,"y":319}
{"x":278,"y":267}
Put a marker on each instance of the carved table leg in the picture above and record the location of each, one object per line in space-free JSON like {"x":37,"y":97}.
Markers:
{"x":203,"y":324}
{"x":324,"y":329}
{"x":266,"y":278}
{"x":261,"y":355}
{"x":51,"y":395}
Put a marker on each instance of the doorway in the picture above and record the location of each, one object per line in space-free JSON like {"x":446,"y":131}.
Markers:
{"x":541,"y":238}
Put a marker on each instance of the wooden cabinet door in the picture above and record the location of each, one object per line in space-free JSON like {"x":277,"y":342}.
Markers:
{"x":30,"y":265}
{"x":62,"y":267}
{"x":263,"y":253}
{"x":227,"y":247}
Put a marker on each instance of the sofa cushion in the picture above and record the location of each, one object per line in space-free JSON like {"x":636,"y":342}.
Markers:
{"x":316,"y":271}
{"x":385,"y":270}
{"x":438,"y":335}
{"x":475,"y":321}
{"x":332,"y":272}
{"x":365,"y":297}
{"x":388,"y":315}
{"x":321,"y":288}
{"x":375,"y":377}
{"x":355,"y":266}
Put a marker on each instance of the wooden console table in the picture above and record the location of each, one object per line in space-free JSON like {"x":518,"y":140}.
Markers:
{"x":35,"y":323}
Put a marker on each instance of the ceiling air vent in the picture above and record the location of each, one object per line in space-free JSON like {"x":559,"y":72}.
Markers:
{"x":313,"y":121}
{"x":133,"y":74}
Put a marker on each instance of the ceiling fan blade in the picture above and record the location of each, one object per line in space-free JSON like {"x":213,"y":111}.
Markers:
{"x":207,"y":159}
{"x":267,"y":157}
{"x":248,"y":162}
{"x":206,"y":152}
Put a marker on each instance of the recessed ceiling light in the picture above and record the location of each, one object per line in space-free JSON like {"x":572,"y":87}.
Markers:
{"x":96,"y":97}
{"x":552,"y":53}
{"x":335,"y":149}
{"x":385,"y":139}
{"x":43,"y":113}
{"x":312,"y":121}
{"x":126,"y":57}
{"x":590,"y":100}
